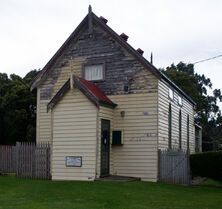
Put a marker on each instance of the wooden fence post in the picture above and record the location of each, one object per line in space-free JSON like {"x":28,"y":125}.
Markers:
{"x":18,"y":158}
{"x":159,"y":165}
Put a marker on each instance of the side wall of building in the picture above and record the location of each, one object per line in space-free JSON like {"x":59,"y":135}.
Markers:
{"x":137,"y":157}
{"x":163,"y":123}
{"x":74,"y":134}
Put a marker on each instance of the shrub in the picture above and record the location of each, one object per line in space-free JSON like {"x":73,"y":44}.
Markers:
{"x":207,"y":164}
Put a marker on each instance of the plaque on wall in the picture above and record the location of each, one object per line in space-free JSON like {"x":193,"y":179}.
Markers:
{"x":73,"y":161}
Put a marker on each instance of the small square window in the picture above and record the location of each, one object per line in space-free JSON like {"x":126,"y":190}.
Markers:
{"x":94,"y":72}
{"x":180,"y":101}
{"x":171,"y":94}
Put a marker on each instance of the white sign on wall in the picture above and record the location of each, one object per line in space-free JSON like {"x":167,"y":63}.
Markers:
{"x":73,"y":161}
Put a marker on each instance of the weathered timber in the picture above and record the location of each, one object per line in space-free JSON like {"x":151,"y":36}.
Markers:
{"x":174,"y":166}
{"x":33,"y":160}
{"x":120,"y":67}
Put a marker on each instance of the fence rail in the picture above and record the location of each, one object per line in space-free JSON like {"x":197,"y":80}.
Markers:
{"x":27,"y":160}
{"x":174,"y":166}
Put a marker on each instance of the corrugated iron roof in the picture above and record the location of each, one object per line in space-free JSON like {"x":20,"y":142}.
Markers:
{"x":96,"y":91}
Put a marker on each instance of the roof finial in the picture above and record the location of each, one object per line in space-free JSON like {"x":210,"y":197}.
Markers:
{"x":151,"y":58}
{"x":90,"y":24}
{"x":90,"y":9}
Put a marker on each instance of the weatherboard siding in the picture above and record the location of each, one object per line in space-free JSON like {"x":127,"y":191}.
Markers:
{"x":44,"y":122}
{"x":163,"y":111}
{"x":74,"y":134}
{"x":121,"y":69}
{"x":137,"y":157}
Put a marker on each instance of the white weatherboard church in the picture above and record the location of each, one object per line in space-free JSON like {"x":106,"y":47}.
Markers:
{"x":107,"y":110}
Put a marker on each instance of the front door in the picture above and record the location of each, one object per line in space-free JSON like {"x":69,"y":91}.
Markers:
{"x":105,"y":146}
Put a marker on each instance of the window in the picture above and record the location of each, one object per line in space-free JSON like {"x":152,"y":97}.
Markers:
{"x":94,"y":72}
{"x":188,"y":132}
{"x":180,"y":101}
{"x":170,"y":127}
{"x":171,"y":94}
{"x":180,"y":130}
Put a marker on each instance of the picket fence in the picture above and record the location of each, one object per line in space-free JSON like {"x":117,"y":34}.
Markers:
{"x":26,"y":159}
{"x":30,"y":160}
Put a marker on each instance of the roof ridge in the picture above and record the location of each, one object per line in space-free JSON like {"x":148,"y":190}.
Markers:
{"x":126,"y":45}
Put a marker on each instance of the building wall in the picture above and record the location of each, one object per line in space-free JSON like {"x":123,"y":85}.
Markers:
{"x":163,"y":111}
{"x":137,"y":157}
{"x":74,"y":134}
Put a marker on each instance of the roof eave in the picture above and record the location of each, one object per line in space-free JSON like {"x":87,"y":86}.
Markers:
{"x":106,"y":104}
{"x":58,"y":95}
{"x":129,"y":48}
{"x":38,"y":79}
{"x":146,"y":63}
{"x":164,"y":77}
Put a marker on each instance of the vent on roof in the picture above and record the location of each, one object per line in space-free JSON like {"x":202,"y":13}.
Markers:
{"x":124,"y":36}
{"x":140,"y":51}
{"x":103,"y":19}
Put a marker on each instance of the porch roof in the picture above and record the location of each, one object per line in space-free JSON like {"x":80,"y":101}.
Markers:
{"x":88,"y":88}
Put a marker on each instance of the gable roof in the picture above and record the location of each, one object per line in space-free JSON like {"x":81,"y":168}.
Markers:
{"x":89,"y":89}
{"x":89,"y":18}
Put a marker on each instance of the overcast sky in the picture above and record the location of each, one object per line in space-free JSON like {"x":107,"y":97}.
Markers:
{"x":31,"y":31}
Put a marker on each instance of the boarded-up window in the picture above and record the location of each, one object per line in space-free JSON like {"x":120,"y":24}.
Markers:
{"x":170,"y":127}
{"x":188,"y":132}
{"x":180,"y":130}
{"x":94,"y":72}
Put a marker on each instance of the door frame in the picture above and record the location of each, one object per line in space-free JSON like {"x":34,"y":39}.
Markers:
{"x":108,"y":173}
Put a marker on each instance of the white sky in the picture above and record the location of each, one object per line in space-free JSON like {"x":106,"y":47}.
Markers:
{"x":31,"y":31}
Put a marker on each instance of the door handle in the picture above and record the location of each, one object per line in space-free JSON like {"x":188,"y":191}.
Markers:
{"x":105,"y":141}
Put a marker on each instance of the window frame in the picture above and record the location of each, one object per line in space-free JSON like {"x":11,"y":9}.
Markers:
{"x":94,"y":64}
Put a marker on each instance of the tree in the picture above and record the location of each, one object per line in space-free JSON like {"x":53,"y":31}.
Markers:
{"x":207,"y":109}
{"x":17,"y":108}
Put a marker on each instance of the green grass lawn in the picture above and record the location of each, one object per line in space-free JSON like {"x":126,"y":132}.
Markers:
{"x":36,"y":194}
